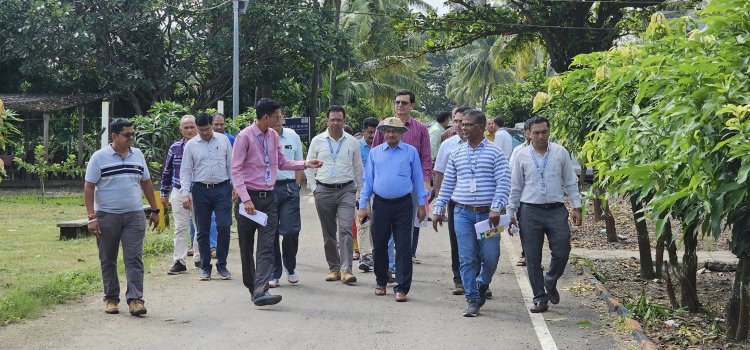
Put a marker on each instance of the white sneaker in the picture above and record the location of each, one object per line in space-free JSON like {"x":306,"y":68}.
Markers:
{"x":273,"y":283}
{"x":292,"y":277}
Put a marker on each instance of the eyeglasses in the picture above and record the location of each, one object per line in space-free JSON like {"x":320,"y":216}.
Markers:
{"x":204,"y":131}
{"x":402,"y":103}
{"x":468,"y":125}
{"x":128,"y":135}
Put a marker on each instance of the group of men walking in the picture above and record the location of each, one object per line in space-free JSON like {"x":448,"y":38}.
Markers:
{"x":385,"y":178}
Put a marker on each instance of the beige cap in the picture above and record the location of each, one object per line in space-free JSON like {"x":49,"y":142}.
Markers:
{"x":392,"y":122}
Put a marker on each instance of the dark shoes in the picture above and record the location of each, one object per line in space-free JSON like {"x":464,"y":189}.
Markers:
{"x":391,"y":278}
{"x":267,"y":299}
{"x":482,"y":295}
{"x":197,"y":264}
{"x":400,"y":297}
{"x":472,"y":308}
{"x":459,"y":289}
{"x":205,"y":275}
{"x":521,"y":261}
{"x":365,"y":264}
{"x":539,"y":307}
{"x":552,"y":293}
{"x":177,"y":268}
{"x":224,"y":273}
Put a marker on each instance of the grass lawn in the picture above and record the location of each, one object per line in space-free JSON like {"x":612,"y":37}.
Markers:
{"x":36,"y":268}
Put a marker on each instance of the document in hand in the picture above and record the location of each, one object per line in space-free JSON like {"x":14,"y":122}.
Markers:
{"x":260,"y":217}
{"x":485,"y":230}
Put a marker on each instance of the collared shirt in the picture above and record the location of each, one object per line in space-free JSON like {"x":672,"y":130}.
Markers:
{"x":170,"y":176}
{"x":515,"y":154}
{"x":448,"y":133}
{"x":489,"y":136}
{"x":205,"y":161}
{"x":291,"y":146}
{"x":230,"y":137}
{"x":341,"y":160}
{"x":417,"y":136}
{"x":504,"y":141}
{"x":444,"y":153}
{"x":118,"y":180}
{"x":248,"y":161}
{"x":435,"y":131}
{"x":486,"y":167}
{"x":364,"y":150}
{"x":558,"y":175}
{"x":392,"y":172}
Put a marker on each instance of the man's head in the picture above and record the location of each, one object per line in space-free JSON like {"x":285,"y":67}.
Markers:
{"x":526,"y":132}
{"x":368,"y":129}
{"x":539,"y":132}
{"x":348,"y":129}
{"x":122,"y":132}
{"x":218,"y":123}
{"x":493,"y":125}
{"x":404,"y":102}
{"x":279,"y":126}
{"x":188,"y":129}
{"x":458,"y":117}
{"x":473,"y":125}
{"x":335,"y":119}
{"x":392,"y":128}
{"x":443,"y":118}
{"x":268,"y":113}
{"x":203,"y":121}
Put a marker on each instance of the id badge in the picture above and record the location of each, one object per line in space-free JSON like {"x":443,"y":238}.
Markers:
{"x":333,"y":170}
{"x":267,"y":177}
{"x":472,"y":185}
{"x":543,"y":188}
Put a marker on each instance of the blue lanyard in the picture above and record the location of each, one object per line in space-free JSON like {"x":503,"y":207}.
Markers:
{"x":330,"y":148}
{"x":536,"y":163}
{"x":266,"y":158}
{"x":473,"y":161}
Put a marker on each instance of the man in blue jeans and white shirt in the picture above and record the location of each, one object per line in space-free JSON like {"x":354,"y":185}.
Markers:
{"x":480,"y":195}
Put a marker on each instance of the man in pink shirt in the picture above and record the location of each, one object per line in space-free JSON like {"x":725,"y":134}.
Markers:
{"x":256,"y":159}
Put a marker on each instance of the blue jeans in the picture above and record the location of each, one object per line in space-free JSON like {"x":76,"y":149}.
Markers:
{"x":472,"y":252}
{"x":212,"y":236}
{"x":287,"y":198}
{"x":206,"y":201}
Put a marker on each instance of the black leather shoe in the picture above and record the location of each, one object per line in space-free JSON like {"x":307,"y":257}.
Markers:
{"x":554,"y":298}
{"x":539,"y":307}
{"x":267,"y":299}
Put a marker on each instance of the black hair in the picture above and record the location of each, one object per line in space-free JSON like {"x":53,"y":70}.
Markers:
{"x":265,"y":106}
{"x":203,"y":119}
{"x":477,"y":114}
{"x":443,"y":116}
{"x":118,"y":124}
{"x":536,"y":119}
{"x":348,"y":129}
{"x":462,"y":109}
{"x":402,"y":92}
{"x":370,"y":122}
{"x":335,"y":108}
{"x":499,"y":122}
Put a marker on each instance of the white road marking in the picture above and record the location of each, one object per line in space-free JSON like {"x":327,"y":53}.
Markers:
{"x":537,"y":320}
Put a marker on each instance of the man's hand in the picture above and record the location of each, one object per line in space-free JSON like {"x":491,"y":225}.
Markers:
{"x":437,"y":219}
{"x":234,"y":195}
{"x":94,"y":227}
{"x":421,"y":214}
{"x":165,"y":203}
{"x":249,"y":207}
{"x":314,"y":163}
{"x":362,"y":214}
{"x":187,"y":203}
{"x":154,"y":220}
{"x":576,"y":216}
{"x":512,"y":223}
{"x":494,"y":218}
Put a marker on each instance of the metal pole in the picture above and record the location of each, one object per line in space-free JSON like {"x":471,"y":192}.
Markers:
{"x":236,"y":61}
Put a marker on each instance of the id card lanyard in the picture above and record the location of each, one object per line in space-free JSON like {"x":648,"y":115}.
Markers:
{"x":473,"y":164}
{"x":263,"y":140}
{"x":334,"y":155}
{"x":543,"y":184}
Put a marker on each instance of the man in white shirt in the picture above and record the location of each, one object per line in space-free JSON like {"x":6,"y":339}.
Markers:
{"x":334,"y":186}
{"x":522,"y":259}
{"x":503,"y":138}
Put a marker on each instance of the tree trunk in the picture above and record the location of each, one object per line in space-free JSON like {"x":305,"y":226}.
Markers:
{"x":312,"y":103}
{"x":609,"y":221}
{"x":644,"y":242}
{"x":688,"y":286}
{"x":670,"y":287}
{"x":738,"y":307}
{"x":598,"y":215}
{"x":659,"y":262}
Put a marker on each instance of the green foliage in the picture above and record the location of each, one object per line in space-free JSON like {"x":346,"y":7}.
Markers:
{"x":156,"y":131}
{"x":41,"y":168}
{"x":243,"y":120}
{"x":513,"y":101}
{"x":157,"y":242}
{"x":646,"y":310}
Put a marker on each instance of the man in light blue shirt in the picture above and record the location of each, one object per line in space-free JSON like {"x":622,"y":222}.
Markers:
{"x":392,"y":173}
{"x":364,"y":239}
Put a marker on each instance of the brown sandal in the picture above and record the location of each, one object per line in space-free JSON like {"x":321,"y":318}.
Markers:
{"x":380,"y":290}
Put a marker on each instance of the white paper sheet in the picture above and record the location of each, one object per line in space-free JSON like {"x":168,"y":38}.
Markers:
{"x":260,"y":217}
{"x":484,"y":227}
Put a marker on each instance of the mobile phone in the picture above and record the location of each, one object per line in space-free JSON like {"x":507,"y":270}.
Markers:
{"x":364,"y":220}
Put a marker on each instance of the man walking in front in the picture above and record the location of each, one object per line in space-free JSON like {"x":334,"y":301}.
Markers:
{"x":334,"y":186}
{"x":480,"y":195}
{"x":541,"y":172}
{"x":116,"y":176}
{"x":392,"y":174}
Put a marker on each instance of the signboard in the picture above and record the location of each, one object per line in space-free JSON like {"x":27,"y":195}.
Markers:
{"x":301,"y":126}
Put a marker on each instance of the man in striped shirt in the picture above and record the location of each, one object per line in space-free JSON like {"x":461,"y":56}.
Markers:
{"x":480,"y":195}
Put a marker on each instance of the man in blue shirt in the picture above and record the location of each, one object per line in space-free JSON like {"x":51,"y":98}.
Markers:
{"x":392,"y":173}
{"x":363,"y":229}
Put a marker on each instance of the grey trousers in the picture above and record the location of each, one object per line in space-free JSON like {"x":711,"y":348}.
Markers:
{"x":130,"y":229}
{"x":336,"y":212}
{"x":535,"y":223}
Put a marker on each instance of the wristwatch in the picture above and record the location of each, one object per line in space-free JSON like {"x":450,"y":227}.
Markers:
{"x":155,"y":211}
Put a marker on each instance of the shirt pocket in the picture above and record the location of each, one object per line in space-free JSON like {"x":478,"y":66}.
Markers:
{"x":403,"y":168}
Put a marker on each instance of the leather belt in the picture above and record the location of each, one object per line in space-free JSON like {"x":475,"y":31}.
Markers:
{"x":473,"y":208}
{"x":394,"y":200}
{"x":205,"y":185}
{"x":260,"y":194}
{"x":336,"y":186}
{"x":284,"y":182}
{"x":545,"y":205}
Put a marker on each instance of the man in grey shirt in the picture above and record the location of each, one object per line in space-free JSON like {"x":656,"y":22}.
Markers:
{"x":115,"y":177}
{"x":540,"y":174}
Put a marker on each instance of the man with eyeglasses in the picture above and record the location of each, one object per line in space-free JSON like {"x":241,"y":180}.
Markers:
{"x":206,"y":189}
{"x":453,"y":130}
{"x":116,"y":176}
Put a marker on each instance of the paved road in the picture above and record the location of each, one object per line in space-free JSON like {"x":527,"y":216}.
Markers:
{"x":184,"y":313}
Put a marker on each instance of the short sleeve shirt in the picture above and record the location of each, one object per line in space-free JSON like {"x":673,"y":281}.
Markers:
{"x":117,"y":179}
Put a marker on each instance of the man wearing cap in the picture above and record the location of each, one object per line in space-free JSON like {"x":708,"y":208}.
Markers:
{"x":393,"y":172}
{"x":334,"y":186}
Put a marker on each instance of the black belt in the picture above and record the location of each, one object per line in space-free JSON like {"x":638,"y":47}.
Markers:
{"x":284,"y":182}
{"x":336,"y":186}
{"x":260,"y":194}
{"x":205,"y":185}
{"x":394,"y":200}
{"x":474,"y":208}
{"x":545,"y":205}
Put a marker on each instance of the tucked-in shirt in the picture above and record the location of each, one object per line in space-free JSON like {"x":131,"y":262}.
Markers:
{"x":364,"y":151}
{"x":170,"y":176}
{"x":342,"y":155}
{"x":558,"y":174}
{"x":487,"y":166}
{"x":392,"y":172}
{"x":117,"y":179}
{"x":435,"y":131}
{"x":418,"y":137}
{"x":205,"y":161}
{"x":230,"y":137}
{"x":448,"y":133}
{"x":446,"y":148}
{"x":291,"y":146}
{"x":489,"y":136}
{"x":248,"y":165}
{"x":504,"y":141}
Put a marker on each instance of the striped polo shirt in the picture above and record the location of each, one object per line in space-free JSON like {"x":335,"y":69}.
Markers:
{"x":117,"y":179}
{"x":487,"y":165}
